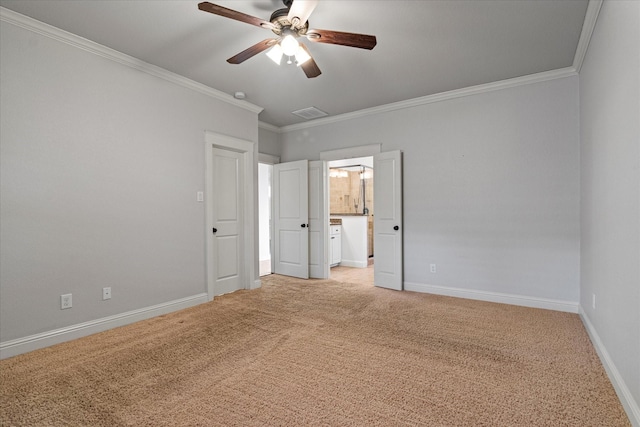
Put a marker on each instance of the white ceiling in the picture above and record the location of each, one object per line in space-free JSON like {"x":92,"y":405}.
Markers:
{"x":424,"y":47}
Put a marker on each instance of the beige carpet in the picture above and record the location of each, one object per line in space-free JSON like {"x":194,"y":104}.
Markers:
{"x":320,"y":353}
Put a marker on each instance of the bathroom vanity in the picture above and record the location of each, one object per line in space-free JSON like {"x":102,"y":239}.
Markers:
{"x":353,"y":239}
{"x":335,"y":243}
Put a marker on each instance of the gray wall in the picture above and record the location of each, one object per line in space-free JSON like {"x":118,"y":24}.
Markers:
{"x":610,"y":186}
{"x":491,"y":186}
{"x":269,"y":142}
{"x":100,"y":165}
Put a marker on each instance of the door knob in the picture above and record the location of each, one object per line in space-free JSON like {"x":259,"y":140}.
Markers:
{"x":303,"y":225}
{"x":215,"y":230}
{"x":396,"y":228}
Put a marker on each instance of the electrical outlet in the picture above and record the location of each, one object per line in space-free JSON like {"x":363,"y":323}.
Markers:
{"x":106,"y":293}
{"x":593,"y":301}
{"x":433,"y":268}
{"x":65,"y":301}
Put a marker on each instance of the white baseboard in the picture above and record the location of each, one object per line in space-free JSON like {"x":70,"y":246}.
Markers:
{"x":521,"y":300}
{"x":256,"y":284}
{"x":624,"y":394}
{"x":57,"y":336}
{"x":356,"y":264}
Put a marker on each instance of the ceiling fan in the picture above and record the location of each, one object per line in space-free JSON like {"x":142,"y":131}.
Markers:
{"x":289,"y":24}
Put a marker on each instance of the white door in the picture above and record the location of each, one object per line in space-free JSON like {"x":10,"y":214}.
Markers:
{"x":387,"y":219}
{"x":318,"y":220}
{"x":291,"y":218}
{"x":227,"y":180}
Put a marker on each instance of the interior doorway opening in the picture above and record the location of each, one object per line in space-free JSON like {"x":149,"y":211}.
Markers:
{"x":351,"y":211}
{"x":301,"y":217}
{"x":265,"y":223}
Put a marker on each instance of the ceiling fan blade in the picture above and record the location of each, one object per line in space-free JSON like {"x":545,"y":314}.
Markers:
{"x":310,"y":67}
{"x":234,"y":14}
{"x":301,"y":9}
{"x":252,"y":51}
{"x":361,"y":41}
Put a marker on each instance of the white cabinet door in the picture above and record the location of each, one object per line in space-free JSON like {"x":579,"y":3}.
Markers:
{"x":387,"y":193}
{"x":336,"y":249}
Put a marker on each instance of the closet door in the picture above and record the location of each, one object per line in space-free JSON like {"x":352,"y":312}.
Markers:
{"x":227,"y":220}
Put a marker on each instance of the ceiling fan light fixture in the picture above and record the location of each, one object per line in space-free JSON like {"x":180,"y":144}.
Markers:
{"x":289,"y":45}
{"x":301,"y":56}
{"x":275,"y":54}
{"x":289,"y":24}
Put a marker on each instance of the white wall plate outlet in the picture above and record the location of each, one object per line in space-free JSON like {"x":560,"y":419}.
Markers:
{"x":65,"y":301}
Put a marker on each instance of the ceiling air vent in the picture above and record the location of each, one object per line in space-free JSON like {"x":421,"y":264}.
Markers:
{"x":310,"y":113}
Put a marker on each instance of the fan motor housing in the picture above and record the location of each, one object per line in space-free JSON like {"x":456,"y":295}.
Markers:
{"x":280,"y":21}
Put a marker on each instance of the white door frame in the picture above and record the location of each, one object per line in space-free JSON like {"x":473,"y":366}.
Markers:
{"x":348,"y":153}
{"x":246,"y":148}
{"x":270,"y":160}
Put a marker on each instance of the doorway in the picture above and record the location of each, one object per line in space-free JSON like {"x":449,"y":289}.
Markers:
{"x":265,"y":213}
{"x":301,"y":203}
{"x":265,"y":180}
{"x":229,"y":190}
{"x":351,"y":210}
{"x":388,"y":227}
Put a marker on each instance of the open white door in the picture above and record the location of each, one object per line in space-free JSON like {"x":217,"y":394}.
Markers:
{"x":291,"y":218}
{"x":318,"y":220}
{"x":387,"y":220}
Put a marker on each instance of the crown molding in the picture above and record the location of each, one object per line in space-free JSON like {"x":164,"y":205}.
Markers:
{"x":438,"y":97}
{"x":590,"y":18}
{"x":19,"y":20}
{"x":47,"y":30}
{"x":269,"y":127}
